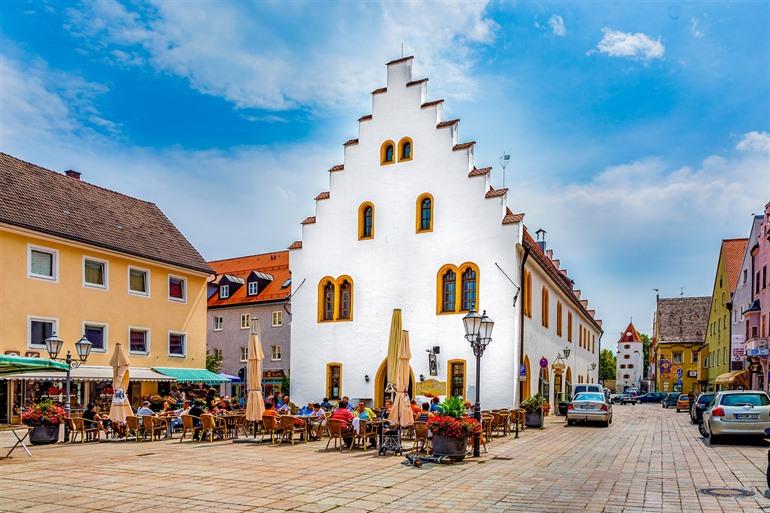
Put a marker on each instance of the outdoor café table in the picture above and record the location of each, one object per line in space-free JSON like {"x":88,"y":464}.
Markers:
{"x":306,"y":419}
{"x":229,"y":420}
{"x":19,"y":441}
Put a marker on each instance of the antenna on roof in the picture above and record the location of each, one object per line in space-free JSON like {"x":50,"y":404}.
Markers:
{"x":681,"y":292}
{"x":505,"y":159}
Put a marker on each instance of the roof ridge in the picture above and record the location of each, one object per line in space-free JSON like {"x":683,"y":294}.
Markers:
{"x":249,"y":256}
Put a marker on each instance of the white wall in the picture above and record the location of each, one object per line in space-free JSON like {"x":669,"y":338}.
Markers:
{"x":635,"y":354}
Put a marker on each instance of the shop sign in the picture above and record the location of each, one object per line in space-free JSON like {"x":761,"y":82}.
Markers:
{"x":692,"y":374}
{"x":273,"y":374}
{"x":763,"y":351}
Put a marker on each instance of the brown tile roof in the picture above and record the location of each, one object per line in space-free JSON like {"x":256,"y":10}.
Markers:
{"x":630,"y":334}
{"x":511,"y":218}
{"x":297,"y":244}
{"x":682,"y":320}
{"x":323,"y":195}
{"x":42,"y":200}
{"x":365,"y":118}
{"x":380,"y":90}
{"x":494,"y":193}
{"x":338,"y":167}
{"x":479,"y":171}
{"x":309,"y":220}
{"x":275,"y":264}
{"x":431,"y":103}
{"x":445,"y":124}
{"x":463,"y":146}
{"x":401,"y":59}
{"x":416,"y":82}
{"x":733,"y":250}
{"x":350,"y":141}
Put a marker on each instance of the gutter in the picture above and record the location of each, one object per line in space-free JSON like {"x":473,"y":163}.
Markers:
{"x":521,"y":317}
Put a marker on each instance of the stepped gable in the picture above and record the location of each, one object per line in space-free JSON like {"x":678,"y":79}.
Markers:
{"x":511,"y":218}
{"x":479,"y":171}
{"x":297,"y":244}
{"x":494,"y":193}
{"x":323,"y":196}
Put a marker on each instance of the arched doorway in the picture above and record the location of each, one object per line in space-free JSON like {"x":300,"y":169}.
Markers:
{"x":544,"y":386}
{"x":380,"y":381}
{"x":526,"y":388}
{"x":568,"y":384}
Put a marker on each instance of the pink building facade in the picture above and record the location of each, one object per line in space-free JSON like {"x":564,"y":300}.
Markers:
{"x":757,"y":316}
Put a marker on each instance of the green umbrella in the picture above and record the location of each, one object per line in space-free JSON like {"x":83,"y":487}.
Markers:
{"x":20,"y":364}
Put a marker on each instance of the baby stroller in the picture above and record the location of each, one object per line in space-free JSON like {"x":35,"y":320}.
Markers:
{"x":390,"y":440}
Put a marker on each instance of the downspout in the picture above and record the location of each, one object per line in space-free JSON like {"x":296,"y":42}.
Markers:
{"x":521,"y":318}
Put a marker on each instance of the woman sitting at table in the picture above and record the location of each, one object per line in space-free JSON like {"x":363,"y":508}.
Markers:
{"x":386,"y":410}
{"x":346,"y":422}
{"x":93,"y":416}
{"x":425,"y":414}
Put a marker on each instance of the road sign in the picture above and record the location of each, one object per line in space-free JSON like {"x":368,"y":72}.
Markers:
{"x":543,"y":362}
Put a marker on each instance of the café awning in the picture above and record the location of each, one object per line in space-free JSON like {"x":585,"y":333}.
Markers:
{"x":234,"y":379}
{"x":731,"y":378}
{"x":187,"y":375}
{"x":89,"y":373}
{"x":23,"y":364}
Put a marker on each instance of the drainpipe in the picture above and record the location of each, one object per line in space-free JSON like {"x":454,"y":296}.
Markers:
{"x":521,"y":319}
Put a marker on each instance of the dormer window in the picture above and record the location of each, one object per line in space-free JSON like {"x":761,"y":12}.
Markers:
{"x":224,"y":291}
{"x":253,"y":288}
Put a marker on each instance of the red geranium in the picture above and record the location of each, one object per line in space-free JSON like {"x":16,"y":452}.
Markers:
{"x":454,"y":428}
{"x":43,"y":413}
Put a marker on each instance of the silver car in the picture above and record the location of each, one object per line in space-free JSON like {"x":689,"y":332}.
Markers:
{"x":736,"y":412}
{"x":589,"y":407}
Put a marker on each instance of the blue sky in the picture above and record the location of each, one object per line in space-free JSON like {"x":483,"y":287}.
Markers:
{"x":638,"y":131}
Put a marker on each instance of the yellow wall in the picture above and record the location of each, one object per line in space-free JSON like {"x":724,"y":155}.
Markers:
{"x":667,"y":381}
{"x":72,"y":303}
{"x":718,"y":331}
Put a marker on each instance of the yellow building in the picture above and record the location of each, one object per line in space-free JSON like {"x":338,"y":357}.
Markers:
{"x":718,"y":335}
{"x":80,"y":259}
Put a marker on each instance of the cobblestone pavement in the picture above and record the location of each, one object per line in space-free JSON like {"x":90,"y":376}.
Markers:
{"x":649,"y":460}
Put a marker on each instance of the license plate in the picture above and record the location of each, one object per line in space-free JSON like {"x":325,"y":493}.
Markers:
{"x":747,"y":416}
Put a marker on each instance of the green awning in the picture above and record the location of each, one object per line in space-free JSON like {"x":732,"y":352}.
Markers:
{"x":187,"y":375}
{"x":21,"y":364}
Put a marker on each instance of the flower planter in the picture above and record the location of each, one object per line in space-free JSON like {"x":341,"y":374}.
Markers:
{"x":44,"y":434}
{"x":451,"y":447}
{"x":533,"y":419}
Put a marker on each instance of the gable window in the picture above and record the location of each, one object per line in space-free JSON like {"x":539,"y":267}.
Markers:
{"x":253,"y":288}
{"x":405,"y":149}
{"x":275,"y":353}
{"x":224,"y":291}
{"x":365,"y":221}
{"x":545,"y":307}
{"x":334,"y":380}
{"x":97,"y":335}
{"x":277,"y":319}
{"x":40,"y":328}
{"x":176,"y":344}
{"x":138,"y":281}
{"x":346,"y":299}
{"x":42,"y":263}
{"x":218,"y":321}
{"x":244,"y":354}
{"x":569,"y":326}
{"x":425,"y":213}
{"x":387,"y":153}
{"x":470,"y":285}
{"x":558,"y":318}
{"x":94,"y":273}
{"x":527,"y":293}
{"x":245,"y":321}
{"x":448,"y":291}
{"x":177,"y":289}
{"x":138,"y":341}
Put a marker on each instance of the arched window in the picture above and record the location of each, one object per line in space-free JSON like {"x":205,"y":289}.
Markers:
{"x":365,"y":221}
{"x":387,"y":153}
{"x":405,"y":149}
{"x":558,"y":318}
{"x":527,"y":293}
{"x":424,"y":213}
{"x":326,"y":297}
{"x":569,"y":326}
{"x":345,"y":299}
{"x":470,"y":285}
{"x":449,"y":291}
{"x":544,"y":307}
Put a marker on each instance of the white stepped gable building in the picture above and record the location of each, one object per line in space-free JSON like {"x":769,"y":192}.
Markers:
{"x":408,"y":222}
{"x":630,"y":359}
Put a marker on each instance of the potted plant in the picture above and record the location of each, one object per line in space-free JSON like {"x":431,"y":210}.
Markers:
{"x":45,"y":418}
{"x":535,"y":408}
{"x":451,"y":429}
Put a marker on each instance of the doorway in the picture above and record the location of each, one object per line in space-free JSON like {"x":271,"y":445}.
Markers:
{"x":380,"y":380}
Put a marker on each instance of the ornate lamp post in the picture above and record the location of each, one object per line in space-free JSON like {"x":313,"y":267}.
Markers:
{"x":478,"y":331}
{"x":53,"y":345}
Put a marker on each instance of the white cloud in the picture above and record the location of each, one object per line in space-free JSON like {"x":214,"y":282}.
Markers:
{"x":694,"y":28}
{"x":556,"y":23}
{"x":276,"y":68}
{"x":755,"y":141}
{"x":638,"y":46}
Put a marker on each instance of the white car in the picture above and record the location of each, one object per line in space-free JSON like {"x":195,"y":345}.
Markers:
{"x":589,"y":407}
{"x":736,"y":412}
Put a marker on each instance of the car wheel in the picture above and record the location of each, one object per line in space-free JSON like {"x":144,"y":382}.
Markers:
{"x":713,"y":439}
{"x":702,"y":430}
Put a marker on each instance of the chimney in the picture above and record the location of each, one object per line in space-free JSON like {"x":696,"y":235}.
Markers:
{"x":73,"y":174}
{"x":540,"y":233}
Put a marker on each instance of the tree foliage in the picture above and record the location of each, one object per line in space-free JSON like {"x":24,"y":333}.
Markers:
{"x":607,"y":363}
{"x":214,"y":361}
{"x":647,"y":342}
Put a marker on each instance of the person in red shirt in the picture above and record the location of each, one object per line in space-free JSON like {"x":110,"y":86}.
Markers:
{"x":346,"y":420}
{"x":416,"y":410}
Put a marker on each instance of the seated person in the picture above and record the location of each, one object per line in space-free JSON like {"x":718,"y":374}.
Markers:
{"x":342,"y":413}
{"x":326,"y":405}
{"x":346,"y":400}
{"x":386,"y":409}
{"x":93,"y":419}
{"x":425,"y":414}
{"x":317,"y":419}
{"x":435,"y":405}
{"x":144,"y":410}
{"x":468,"y":408}
{"x":306,"y":410}
{"x":362,"y":412}
{"x":414,"y":407}
{"x":288,"y":407}
{"x":196,"y":411}
{"x":269,"y":410}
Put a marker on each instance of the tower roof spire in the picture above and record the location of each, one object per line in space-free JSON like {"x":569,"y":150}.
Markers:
{"x":630,"y":334}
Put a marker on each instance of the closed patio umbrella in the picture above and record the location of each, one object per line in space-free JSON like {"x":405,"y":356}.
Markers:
{"x":401,"y":413}
{"x":394,"y":343}
{"x":255,"y":405}
{"x":120,"y":407}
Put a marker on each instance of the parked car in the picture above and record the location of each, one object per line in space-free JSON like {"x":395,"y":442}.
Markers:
{"x":651,"y":397}
{"x":670,"y":399}
{"x":736,"y":412}
{"x":633,"y":392}
{"x":614,"y":398}
{"x":626,"y":399}
{"x":683,"y":403}
{"x":579,"y":389}
{"x":589,"y":407}
{"x":699,"y":406}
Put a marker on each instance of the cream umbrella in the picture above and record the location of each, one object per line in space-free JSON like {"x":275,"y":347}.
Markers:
{"x":401,"y":413}
{"x":120,"y":407}
{"x":255,"y":405}
{"x":394,"y":342}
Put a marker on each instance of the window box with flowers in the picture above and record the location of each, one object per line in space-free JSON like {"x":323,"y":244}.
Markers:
{"x":452,"y":428}
{"x":45,"y":418}
{"x":536,"y":407}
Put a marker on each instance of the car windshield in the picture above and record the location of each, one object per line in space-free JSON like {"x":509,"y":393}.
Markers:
{"x":683,"y":398}
{"x":741,"y":399}
{"x":590,"y":396}
{"x":705,"y":399}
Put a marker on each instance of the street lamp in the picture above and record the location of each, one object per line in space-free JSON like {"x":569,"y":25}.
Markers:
{"x":53,"y":345}
{"x":478,"y":331}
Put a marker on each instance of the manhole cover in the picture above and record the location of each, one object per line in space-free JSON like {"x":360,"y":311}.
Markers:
{"x":727,"y":492}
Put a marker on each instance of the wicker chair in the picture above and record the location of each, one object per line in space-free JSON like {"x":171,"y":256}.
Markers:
{"x":271,"y":426}
{"x":87,"y":429}
{"x":213,"y":425}
{"x":366,"y":431}
{"x":289,"y":429}
{"x":158,"y":427}
{"x":188,"y":426}
{"x":334,"y":428}
{"x":421,"y":435}
{"x":133,"y":426}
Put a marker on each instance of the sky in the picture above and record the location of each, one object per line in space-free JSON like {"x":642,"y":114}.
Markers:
{"x":638,"y":131}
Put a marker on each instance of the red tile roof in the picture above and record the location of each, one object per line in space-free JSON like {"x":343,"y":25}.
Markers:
{"x":309,"y":220}
{"x":297,"y":244}
{"x":445,"y":124}
{"x":494,"y":193}
{"x":416,"y":82}
{"x":511,"y":218}
{"x":365,"y":118}
{"x":463,"y":146}
{"x":380,"y":90}
{"x":45,"y":201}
{"x":733,"y":251}
{"x":275,"y":264}
{"x":350,"y":141}
{"x":431,"y":103}
{"x":479,"y":171}
{"x":630,"y":334}
{"x":323,"y":195}
{"x":338,"y":167}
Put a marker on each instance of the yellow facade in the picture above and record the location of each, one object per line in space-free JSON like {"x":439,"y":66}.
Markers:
{"x":672,"y":358}
{"x":718,"y":331}
{"x":72,"y":304}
